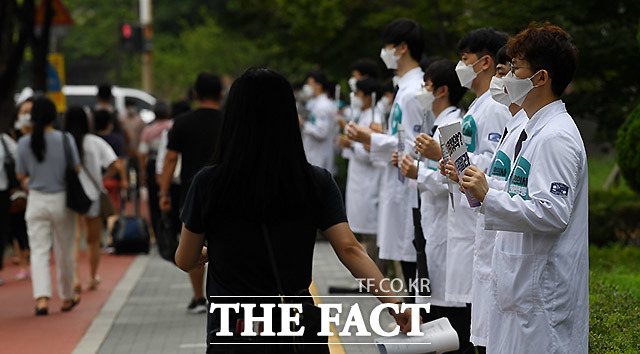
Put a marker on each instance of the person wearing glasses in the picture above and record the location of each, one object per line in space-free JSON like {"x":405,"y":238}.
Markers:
{"x":540,"y":263}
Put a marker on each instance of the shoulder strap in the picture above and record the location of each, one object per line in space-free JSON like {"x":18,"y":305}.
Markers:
{"x":272,"y":260}
{"x":6,"y":150}
{"x":67,"y":149}
{"x":93,"y":180}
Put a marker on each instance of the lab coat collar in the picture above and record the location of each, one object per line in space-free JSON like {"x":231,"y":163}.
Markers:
{"x":543,"y":115}
{"x":445,"y":113}
{"x":413,"y":74}
{"x":479,"y":100}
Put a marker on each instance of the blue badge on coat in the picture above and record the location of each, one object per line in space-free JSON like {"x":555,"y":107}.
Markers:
{"x":494,"y":137}
{"x":560,"y":189}
{"x":417,"y":128}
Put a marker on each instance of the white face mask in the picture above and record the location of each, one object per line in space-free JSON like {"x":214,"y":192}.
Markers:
{"x":307,"y":90}
{"x":497,"y":91}
{"x":352,"y":83}
{"x":385,"y":103}
{"x":425,"y":99}
{"x":24,"y":120}
{"x":357,"y":102}
{"x":395,"y":79}
{"x":389,"y":58}
{"x":465,"y":73}
{"x":518,"y":88}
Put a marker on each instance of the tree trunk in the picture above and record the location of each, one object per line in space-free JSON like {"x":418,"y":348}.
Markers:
{"x":11,"y":52}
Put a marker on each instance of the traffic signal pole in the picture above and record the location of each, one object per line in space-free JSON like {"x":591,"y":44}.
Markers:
{"x":147,"y":32}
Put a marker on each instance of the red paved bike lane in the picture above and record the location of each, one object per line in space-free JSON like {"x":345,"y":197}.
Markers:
{"x":22,"y":332}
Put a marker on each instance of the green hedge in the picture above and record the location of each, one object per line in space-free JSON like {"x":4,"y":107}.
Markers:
{"x":628,"y":149}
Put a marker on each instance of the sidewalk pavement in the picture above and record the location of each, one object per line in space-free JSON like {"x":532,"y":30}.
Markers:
{"x":146,"y":311}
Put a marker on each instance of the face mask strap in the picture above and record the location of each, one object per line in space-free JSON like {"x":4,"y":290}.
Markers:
{"x":530,"y":78}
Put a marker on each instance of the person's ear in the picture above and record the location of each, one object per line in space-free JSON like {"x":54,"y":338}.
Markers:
{"x":442,"y":91}
{"x":487,"y":62}
{"x":542,"y":78}
{"x":402,"y":48}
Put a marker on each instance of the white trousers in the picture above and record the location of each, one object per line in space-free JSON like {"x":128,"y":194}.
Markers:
{"x":50,"y":223}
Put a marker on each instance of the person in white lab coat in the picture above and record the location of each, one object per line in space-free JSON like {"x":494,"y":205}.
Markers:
{"x":318,"y":132}
{"x":404,"y":44}
{"x":363,"y":178}
{"x":481,"y":127}
{"x":498,"y":171}
{"x":441,"y":94}
{"x":540,"y":265}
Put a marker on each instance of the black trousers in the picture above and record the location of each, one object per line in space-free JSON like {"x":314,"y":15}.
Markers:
{"x":460,"y":319}
{"x":409,"y":273}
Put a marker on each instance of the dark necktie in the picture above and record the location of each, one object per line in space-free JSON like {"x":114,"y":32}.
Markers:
{"x":503,"y":135}
{"x":433,"y":130}
{"x":523,"y":137}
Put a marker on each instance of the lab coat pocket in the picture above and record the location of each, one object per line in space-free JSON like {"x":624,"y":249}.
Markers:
{"x":515,"y":281}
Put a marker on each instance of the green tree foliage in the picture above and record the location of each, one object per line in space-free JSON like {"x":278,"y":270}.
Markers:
{"x":205,"y":47}
{"x":628,"y":149}
{"x":295,"y":37}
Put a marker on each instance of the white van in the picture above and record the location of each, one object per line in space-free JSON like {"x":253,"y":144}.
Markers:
{"x":85,"y":96}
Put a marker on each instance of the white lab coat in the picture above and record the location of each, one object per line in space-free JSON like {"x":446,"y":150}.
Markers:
{"x":395,"y":221}
{"x":497,"y":174}
{"x":318,"y":133}
{"x":433,"y":209}
{"x":12,"y":148}
{"x":482,"y":128}
{"x":540,"y":269}
{"x":363,"y":185}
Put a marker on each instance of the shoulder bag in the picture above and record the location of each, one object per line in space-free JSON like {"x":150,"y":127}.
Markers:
{"x":107,"y":208}
{"x":309,"y":317}
{"x":77,"y":199}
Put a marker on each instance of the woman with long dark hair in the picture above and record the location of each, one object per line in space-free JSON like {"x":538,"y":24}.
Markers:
{"x":41,"y":169}
{"x":261,"y":187}
{"x":95,"y":155}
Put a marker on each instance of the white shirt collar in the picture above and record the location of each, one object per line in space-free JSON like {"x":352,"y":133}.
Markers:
{"x":410,"y":75}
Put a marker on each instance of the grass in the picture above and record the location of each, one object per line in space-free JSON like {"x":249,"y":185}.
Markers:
{"x":614,"y":299}
{"x":599,"y":170}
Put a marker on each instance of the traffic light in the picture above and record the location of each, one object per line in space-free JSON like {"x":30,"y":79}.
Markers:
{"x":132,"y":37}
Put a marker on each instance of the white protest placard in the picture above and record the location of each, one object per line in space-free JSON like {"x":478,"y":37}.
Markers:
{"x":445,"y":158}
{"x":439,"y":337}
{"x":454,"y":141}
{"x":400,"y":150}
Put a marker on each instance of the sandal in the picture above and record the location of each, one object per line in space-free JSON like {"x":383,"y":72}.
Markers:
{"x":93,"y":283}
{"x":74,"y":302}
{"x":42,"y":311}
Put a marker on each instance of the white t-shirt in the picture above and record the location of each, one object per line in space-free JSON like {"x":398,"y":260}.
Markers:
{"x":97,"y":155}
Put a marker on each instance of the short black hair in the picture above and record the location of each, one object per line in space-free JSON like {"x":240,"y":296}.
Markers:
{"x":179,"y":107}
{"x":443,"y":73}
{"x":319,"y":77}
{"x":426,"y":61}
{"x":101,"y":119}
{"x":161,"y":109}
{"x":408,"y":31}
{"x":104,"y":91}
{"x":208,"y":86}
{"x":387,"y":86}
{"x":502,"y":57}
{"x":547,"y":47}
{"x":483,"y":41}
{"x":366,"y":66}
{"x":368,"y":86}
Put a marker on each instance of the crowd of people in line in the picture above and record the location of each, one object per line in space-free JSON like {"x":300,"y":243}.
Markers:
{"x":511,"y":275}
